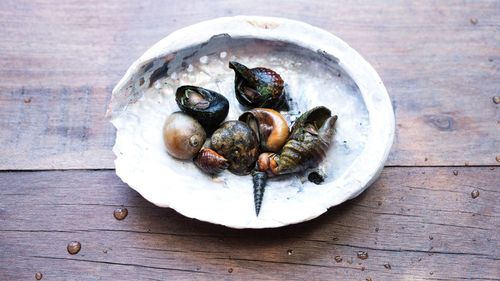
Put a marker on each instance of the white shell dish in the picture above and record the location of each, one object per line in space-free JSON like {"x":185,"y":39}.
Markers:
{"x":318,"y":69}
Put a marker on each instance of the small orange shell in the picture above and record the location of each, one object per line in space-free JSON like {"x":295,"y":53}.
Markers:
{"x":210,"y":161}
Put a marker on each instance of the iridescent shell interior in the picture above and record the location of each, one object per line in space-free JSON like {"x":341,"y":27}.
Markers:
{"x":313,"y":76}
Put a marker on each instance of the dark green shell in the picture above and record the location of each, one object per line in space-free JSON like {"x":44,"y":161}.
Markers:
{"x":309,"y":141}
{"x":236,"y":142}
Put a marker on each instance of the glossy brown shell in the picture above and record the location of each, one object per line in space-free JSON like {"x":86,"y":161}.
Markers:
{"x":270,"y":127}
{"x":236,"y":142}
{"x":183,"y":136}
{"x":210,"y":161}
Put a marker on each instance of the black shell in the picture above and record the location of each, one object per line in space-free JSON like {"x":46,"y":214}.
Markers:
{"x":207,"y":107}
{"x":258,"y":87}
{"x":236,"y":142}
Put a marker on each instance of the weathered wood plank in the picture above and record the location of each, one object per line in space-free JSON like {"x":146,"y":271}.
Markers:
{"x":440,"y":70}
{"x":421,"y":221}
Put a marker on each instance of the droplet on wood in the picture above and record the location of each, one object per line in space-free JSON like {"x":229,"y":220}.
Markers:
{"x":74,"y":247}
{"x":474,"y":21}
{"x":474,"y":194}
{"x":289,"y":252}
{"x":120,"y":213}
{"x":362,"y":255}
{"x":38,"y":276}
{"x":496,"y":99}
{"x":455,"y":173}
{"x":338,"y":259}
{"x":230,"y":270}
{"x":497,"y":158}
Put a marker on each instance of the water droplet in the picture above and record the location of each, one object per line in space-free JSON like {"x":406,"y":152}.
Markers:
{"x":388,"y":266}
{"x":496,"y":99}
{"x":362,"y":255}
{"x":474,"y":194}
{"x":38,"y":276}
{"x":230,"y":270}
{"x":455,"y":173}
{"x":74,"y":247}
{"x":204,"y":60}
{"x":223,"y":55}
{"x":289,"y":252}
{"x":474,"y":21}
{"x":120,"y":213}
{"x":497,"y":158}
{"x":338,"y":259}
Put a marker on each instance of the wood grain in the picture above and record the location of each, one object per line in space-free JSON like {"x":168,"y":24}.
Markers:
{"x":59,"y":62}
{"x":421,"y":221}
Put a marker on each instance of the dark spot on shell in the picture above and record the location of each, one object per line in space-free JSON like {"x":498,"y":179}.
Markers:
{"x":148,"y":66}
{"x":474,"y":194}
{"x":362,"y":255}
{"x":38,"y":276}
{"x":74,"y":247}
{"x":388,"y":266}
{"x":316,"y":178}
{"x":440,"y":121}
{"x":159,"y":73}
{"x":328,"y":57}
{"x":338,"y":259}
{"x":120,"y":213}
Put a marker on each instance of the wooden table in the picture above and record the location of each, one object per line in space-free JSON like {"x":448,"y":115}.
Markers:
{"x":438,"y":59}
